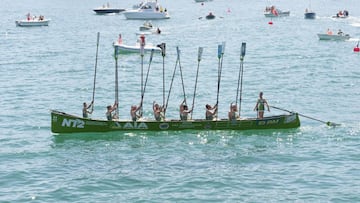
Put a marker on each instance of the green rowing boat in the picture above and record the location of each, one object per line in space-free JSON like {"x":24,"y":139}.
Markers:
{"x":65,"y":123}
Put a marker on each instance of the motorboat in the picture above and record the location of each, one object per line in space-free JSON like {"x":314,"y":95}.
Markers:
{"x":336,"y":37}
{"x":33,"y":21}
{"x":200,"y":1}
{"x":146,"y":26}
{"x":210,"y":16}
{"x":275,"y":12}
{"x":106,"y":9}
{"x":341,"y":14}
{"x":309,"y":14}
{"x":148,"y":10}
{"x":136,"y":48}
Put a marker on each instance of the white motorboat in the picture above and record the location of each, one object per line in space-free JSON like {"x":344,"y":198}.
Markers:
{"x":336,"y":37}
{"x":33,"y":21}
{"x":148,"y":10}
{"x":275,"y":12}
{"x":123,"y":48}
{"x":146,"y":26}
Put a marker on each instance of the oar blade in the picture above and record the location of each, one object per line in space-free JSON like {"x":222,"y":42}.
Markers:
{"x":200,"y":51}
{"x":243,"y":50}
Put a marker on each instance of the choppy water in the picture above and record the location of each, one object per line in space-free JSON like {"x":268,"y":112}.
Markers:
{"x":52,"y":68}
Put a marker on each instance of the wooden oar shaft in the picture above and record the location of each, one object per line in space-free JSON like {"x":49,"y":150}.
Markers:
{"x":315,"y":119}
{"x":96,"y":59}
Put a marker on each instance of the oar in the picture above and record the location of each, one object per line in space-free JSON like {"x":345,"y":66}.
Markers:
{"x":241,"y":73}
{"x":197,"y":74}
{"x":315,"y":119}
{"x":146,"y":79}
{"x":181,"y":75}
{"x":97,"y":48}
{"x":171,"y":83}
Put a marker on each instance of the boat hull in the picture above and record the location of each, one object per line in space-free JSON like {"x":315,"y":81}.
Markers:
{"x":310,"y":15}
{"x":136,"y":48}
{"x":280,"y":14}
{"x":333,"y":37}
{"x":32,"y":23}
{"x":145,"y":15}
{"x":66,"y":123}
{"x":102,"y":11}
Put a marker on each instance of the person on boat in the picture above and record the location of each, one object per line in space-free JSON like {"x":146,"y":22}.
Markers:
{"x":133,"y":112}
{"x":210,"y":112}
{"x":158,"y":112}
{"x":85,"y":110}
{"x":233,"y":115}
{"x":329,"y":32}
{"x":184,"y":111}
{"x":340,"y":32}
{"x":260,"y":106}
{"x":158,"y":31}
{"x":110,"y":110}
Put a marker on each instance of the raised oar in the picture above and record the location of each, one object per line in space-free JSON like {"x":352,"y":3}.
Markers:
{"x":315,"y":119}
{"x":171,"y":83}
{"x":243,"y":50}
{"x":181,"y":75}
{"x":142,"y":50}
{"x":197,"y":74}
{"x":146,"y":79}
{"x":96,"y":58}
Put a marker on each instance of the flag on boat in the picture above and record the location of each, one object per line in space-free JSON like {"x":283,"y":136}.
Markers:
{"x":274,"y":11}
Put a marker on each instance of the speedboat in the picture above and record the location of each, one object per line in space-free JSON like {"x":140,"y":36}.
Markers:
{"x":123,"y":48}
{"x":336,"y":37}
{"x":146,"y":26}
{"x":199,"y":1}
{"x":309,"y":14}
{"x":341,"y":14}
{"x":33,"y":21}
{"x":126,"y":49}
{"x":275,"y":12}
{"x":148,"y":10}
{"x":106,"y":9}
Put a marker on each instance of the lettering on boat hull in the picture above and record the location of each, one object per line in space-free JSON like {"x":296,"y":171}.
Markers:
{"x":290,"y":119}
{"x":73,"y":123}
{"x":135,"y":125}
{"x":268,"y":122}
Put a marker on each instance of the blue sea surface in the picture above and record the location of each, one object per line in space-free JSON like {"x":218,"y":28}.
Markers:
{"x":43,"y":68}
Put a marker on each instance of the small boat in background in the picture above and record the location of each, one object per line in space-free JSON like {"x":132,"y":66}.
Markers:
{"x":210,"y":16}
{"x":199,"y":1}
{"x":126,"y":49}
{"x":146,"y":26}
{"x":33,"y":21}
{"x":309,"y":14}
{"x":341,"y":14}
{"x":275,"y":12}
{"x":106,"y":9}
{"x":148,"y":10}
{"x":340,"y":36}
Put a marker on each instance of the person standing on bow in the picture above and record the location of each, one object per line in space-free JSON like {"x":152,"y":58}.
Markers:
{"x":85,"y":110}
{"x":260,"y":106}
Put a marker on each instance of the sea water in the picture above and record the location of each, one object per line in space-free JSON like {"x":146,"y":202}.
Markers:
{"x":53,"y":67}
